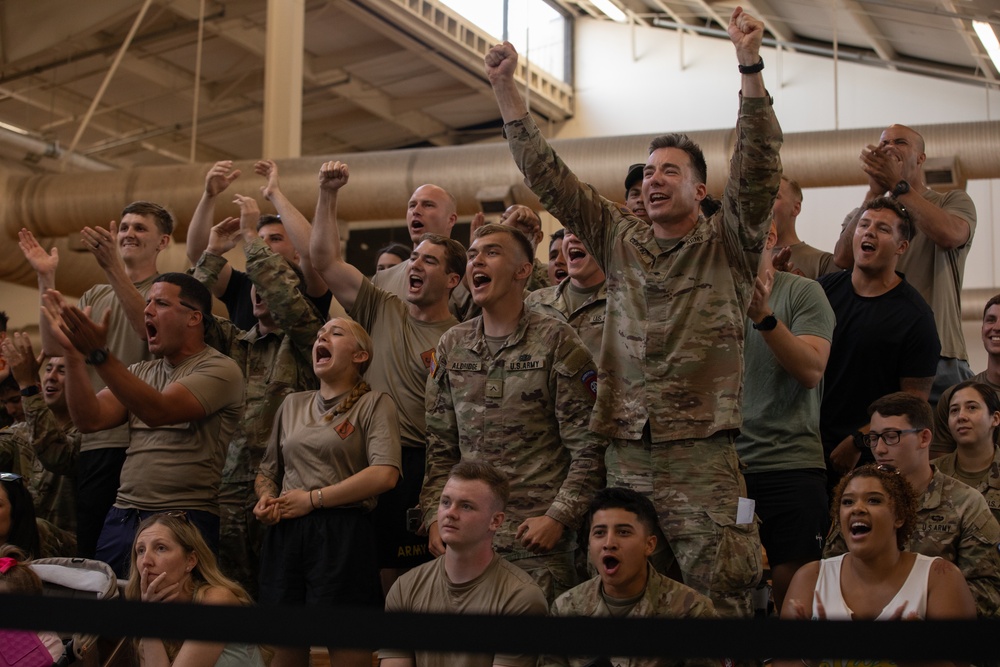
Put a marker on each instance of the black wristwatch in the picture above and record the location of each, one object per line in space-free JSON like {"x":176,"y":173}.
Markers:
{"x":30,"y":390}
{"x":97,"y":357}
{"x":900,"y":189}
{"x":767,"y":324}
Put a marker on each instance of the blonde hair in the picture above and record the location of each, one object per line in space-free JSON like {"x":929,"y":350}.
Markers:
{"x":362,"y":338}
{"x":205,"y":572}
{"x":361,"y":388}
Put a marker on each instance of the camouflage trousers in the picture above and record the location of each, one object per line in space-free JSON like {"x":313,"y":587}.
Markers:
{"x":554,"y":573}
{"x":240,"y":534}
{"x":695,"y":486}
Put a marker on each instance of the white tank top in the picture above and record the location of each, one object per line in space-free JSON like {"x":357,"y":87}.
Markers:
{"x":912,"y":596}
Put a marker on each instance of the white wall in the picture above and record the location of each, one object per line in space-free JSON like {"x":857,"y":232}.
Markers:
{"x":688,"y":83}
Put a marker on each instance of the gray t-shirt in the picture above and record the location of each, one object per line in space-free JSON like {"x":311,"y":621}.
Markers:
{"x":123,"y":342}
{"x":307,"y":451}
{"x":502,"y":589}
{"x":179,"y":466}
{"x":401,"y":357}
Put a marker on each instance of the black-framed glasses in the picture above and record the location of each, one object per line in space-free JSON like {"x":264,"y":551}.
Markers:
{"x":890,"y":437}
{"x":885,"y":467}
{"x":188,"y":305}
{"x":10,"y":477}
{"x":175,"y":514}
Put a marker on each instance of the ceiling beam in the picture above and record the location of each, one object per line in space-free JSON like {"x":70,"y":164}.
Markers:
{"x":882,"y":47}
{"x":971,"y":41}
{"x":364,"y":94}
{"x":668,"y":9}
{"x":764,"y":10}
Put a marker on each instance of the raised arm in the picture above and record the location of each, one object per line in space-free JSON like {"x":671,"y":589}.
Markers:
{"x":276,"y":284}
{"x":175,"y":404}
{"x":45,"y":265}
{"x":89,"y":411}
{"x":217,"y":180}
{"x":755,"y":167}
{"x":803,"y":356}
{"x":343,"y":279}
{"x":54,"y":447}
{"x":746,"y":33}
{"x":296,"y":226}
{"x":501,"y":63}
{"x":103,"y":245}
{"x":223,"y":238}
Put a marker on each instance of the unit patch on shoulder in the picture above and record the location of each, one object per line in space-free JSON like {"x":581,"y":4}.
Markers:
{"x":589,"y":380}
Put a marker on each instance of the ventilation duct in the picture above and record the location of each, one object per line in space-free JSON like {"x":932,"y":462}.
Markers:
{"x":56,"y":206}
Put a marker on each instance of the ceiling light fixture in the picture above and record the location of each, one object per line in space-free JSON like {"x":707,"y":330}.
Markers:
{"x":611,"y":10}
{"x":988,"y":38}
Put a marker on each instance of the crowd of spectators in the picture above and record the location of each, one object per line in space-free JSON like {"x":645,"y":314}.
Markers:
{"x":629,"y":430}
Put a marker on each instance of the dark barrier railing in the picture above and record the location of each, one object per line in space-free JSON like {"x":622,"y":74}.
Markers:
{"x":361,"y":628}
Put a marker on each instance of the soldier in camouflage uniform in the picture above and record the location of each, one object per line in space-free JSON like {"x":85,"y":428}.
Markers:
{"x":276,"y":358}
{"x":622,"y":525}
{"x":953,"y":520}
{"x":671,"y":358}
{"x":515,"y":389}
{"x":989,"y":486}
{"x":15,"y":452}
{"x":53,"y":439}
{"x":580,"y":301}
{"x":974,"y":424}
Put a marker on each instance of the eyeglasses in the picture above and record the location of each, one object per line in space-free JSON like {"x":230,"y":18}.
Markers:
{"x":885,"y":467}
{"x":188,"y":305}
{"x":10,"y":477}
{"x":890,"y":437}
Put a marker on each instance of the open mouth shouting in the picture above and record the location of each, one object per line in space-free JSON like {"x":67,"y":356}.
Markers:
{"x":151,"y":333}
{"x":321,"y":355}
{"x":859,"y":528}
{"x":611,"y":564}
{"x":416,"y":282}
{"x":480,"y":279}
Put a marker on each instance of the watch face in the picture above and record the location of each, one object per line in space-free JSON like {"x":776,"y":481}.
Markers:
{"x":97,"y":357}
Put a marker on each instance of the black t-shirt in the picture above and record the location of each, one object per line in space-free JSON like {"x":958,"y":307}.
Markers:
{"x":237,"y":301}
{"x":877,"y":341}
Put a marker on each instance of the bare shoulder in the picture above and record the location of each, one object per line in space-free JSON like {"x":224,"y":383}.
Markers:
{"x":948,"y":594}
{"x":218,"y":595}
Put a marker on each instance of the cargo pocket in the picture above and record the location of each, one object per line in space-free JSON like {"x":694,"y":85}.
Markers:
{"x":738,"y":562}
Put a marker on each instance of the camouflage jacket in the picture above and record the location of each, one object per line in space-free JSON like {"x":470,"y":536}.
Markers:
{"x":672,"y":352}
{"x":539,"y":278}
{"x":953,"y":522}
{"x":524,"y":410}
{"x":663,"y":598}
{"x":275,"y":364}
{"x":56,"y":450}
{"x":587,"y":320}
{"x":12,"y":452}
{"x":990,"y":488}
